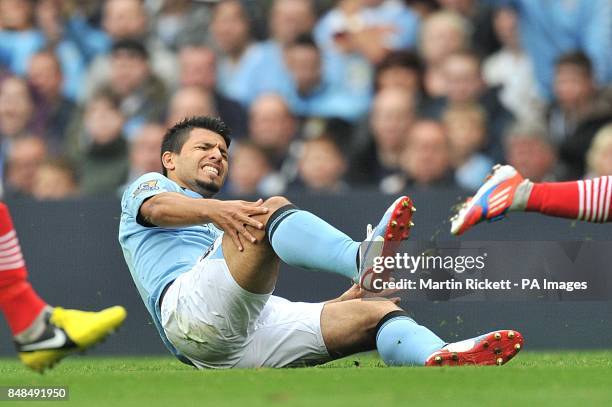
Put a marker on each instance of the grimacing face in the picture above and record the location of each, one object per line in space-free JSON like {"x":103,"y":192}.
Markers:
{"x":201,"y":165}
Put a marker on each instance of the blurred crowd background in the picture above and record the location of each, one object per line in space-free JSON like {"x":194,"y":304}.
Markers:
{"x":321,"y":95}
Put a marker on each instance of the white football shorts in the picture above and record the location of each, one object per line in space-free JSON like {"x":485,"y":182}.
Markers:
{"x":215,"y":323}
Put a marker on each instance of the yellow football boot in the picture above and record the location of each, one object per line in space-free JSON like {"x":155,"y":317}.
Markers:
{"x":69,"y":331}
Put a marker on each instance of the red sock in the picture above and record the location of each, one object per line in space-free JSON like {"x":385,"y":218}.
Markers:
{"x":587,"y":200}
{"x":18,"y":301}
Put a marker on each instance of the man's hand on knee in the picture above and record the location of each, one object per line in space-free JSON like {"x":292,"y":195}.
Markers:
{"x":234,"y":217}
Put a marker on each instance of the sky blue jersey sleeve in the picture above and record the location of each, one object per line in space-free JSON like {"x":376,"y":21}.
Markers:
{"x":146,"y":186}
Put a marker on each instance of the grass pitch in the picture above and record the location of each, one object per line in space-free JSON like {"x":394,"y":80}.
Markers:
{"x":532,"y":379}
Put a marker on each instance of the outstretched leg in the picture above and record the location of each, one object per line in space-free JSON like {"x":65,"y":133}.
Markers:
{"x":20,"y":304}
{"x":43,"y":335}
{"x":507,"y":191}
{"x":301,"y":239}
{"x":587,"y":200}
{"x":360,"y":325}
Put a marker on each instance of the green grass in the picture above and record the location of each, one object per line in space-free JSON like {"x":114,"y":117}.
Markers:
{"x":577,"y":379}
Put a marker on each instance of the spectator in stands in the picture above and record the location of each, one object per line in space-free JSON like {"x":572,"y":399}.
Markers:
{"x":239,"y":54}
{"x":401,"y":69}
{"x":188,"y":102}
{"x":558,"y":27}
{"x":442,"y":34}
{"x":145,"y":150}
{"x":55,"y":179}
{"x":343,"y":65}
{"x":100,"y":151}
{"x":16,"y":110}
{"x":128,"y":20}
{"x":51,"y":24}
{"x":578,"y":111}
{"x":180,"y":21}
{"x":321,"y":167}
{"x":48,"y":18}
{"x":370,"y":28}
{"x":19,"y":38}
{"x":341,"y":131}
{"x":530,"y":151}
{"x":23,"y":160}
{"x":599,"y":156}
{"x":252,"y":172}
{"x":466,"y":128}
{"x":425,"y":160}
{"x":392,"y":115}
{"x":81,"y":25}
{"x":288,"y":19}
{"x":310,"y":93}
{"x":142,"y":95}
{"x":45,"y":77}
{"x":512,"y":69}
{"x":464,"y":85}
{"x":199,"y":68}
{"x":479,"y":14}
{"x":357,"y":34}
{"x":123,"y":19}
{"x":273,"y":126}
{"x":426,"y":156}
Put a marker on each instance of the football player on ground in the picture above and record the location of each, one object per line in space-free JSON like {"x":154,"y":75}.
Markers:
{"x":43,"y":334}
{"x":206,"y":270}
{"x":506,"y":190}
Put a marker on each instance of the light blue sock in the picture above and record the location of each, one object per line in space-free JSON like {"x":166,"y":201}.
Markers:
{"x":302,"y":239}
{"x":401,"y":341}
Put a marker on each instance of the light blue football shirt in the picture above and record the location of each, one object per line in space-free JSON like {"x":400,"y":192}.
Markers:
{"x":155,"y":255}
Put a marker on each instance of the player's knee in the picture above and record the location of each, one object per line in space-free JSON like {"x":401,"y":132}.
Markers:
{"x":275,"y":202}
{"x":374,"y":310}
{"x":379,"y":310}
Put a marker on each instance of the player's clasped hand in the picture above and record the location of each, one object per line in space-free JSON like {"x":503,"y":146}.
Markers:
{"x":234,"y":216}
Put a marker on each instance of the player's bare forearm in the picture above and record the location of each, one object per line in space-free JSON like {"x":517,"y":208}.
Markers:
{"x":171,"y":209}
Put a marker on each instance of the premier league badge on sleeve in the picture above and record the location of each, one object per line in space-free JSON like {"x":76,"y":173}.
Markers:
{"x":146,"y":186}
